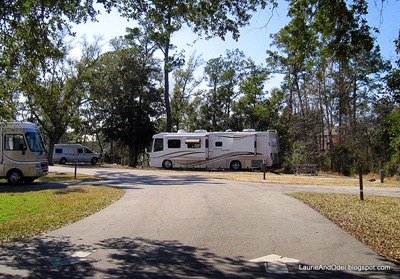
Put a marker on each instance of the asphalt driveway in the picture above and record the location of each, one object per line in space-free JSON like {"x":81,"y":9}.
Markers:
{"x":173,"y":225}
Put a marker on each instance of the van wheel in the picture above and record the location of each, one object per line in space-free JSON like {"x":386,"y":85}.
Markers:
{"x":167,"y":164}
{"x":235,"y":165}
{"x":15,"y":177}
{"x":94,"y":161}
{"x":63,"y":161}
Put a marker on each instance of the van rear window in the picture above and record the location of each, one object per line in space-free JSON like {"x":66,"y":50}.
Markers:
{"x":58,"y":150}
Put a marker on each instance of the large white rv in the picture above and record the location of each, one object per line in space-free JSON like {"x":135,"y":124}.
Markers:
{"x":22,"y":153}
{"x":64,"y":153}
{"x":214,"y":150}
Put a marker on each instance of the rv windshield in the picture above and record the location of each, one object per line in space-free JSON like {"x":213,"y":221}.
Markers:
{"x":35,"y":141}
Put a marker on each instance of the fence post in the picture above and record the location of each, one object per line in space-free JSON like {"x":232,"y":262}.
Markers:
{"x":76,"y":166}
{"x":360,"y":177}
{"x":264,"y":167}
{"x":382,"y":175}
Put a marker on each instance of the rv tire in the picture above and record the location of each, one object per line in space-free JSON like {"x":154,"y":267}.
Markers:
{"x":94,"y":161}
{"x":236,"y":165}
{"x":167,"y":164}
{"x":14,"y":177}
{"x":63,"y":161}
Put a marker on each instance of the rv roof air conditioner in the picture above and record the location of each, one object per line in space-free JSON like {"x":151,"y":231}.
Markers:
{"x":249,"y":130}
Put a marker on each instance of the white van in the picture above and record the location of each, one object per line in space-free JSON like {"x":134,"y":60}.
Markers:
{"x":22,"y":153}
{"x":64,"y":153}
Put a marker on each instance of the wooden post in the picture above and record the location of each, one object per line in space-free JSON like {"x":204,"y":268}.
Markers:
{"x":382,"y":175}
{"x":76,"y":166}
{"x":264,"y":169}
{"x":360,"y":176}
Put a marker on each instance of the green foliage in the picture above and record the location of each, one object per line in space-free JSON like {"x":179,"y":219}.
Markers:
{"x":29,"y":35}
{"x":164,"y":18}
{"x":185,"y":85}
{"x":333,"y":73}
{"x":392,"y":124}
{"x":123,"y":92}
{"x":332,"y":92}
{"x":298,"y":155}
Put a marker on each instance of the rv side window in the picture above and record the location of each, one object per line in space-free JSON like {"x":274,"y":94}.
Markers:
{"x":58,"y":150}
{"x":218,"y":144}
{"x":158,"y":145}
{"x":174,"y":143}
{"x":193,"y":143}
{"x":88,"y":150}
{"x":14,"y":142}
{"x":80,"y":150}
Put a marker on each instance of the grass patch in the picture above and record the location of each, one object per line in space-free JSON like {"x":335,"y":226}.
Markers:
{"x":27,"y":211}
{"x":374,"y":221}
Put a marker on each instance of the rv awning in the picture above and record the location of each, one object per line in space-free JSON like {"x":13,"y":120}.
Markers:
{"x":193,"y":141}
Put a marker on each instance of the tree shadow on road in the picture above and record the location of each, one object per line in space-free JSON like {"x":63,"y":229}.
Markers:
{"x":118,"y":178}
{"x":119,"y":258}
{"x":126,"y":257}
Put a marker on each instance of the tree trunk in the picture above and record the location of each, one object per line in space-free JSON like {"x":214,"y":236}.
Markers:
{"x":132,"y":157}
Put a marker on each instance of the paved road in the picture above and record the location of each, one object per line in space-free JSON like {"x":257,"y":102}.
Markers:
{"x":173,"y":225}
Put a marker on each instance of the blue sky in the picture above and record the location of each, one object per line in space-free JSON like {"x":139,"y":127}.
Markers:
{"x":255,"y":38}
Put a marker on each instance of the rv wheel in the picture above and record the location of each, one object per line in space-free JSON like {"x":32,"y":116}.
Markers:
{"x":63,"y":161}
{"x":94,"y":161}
{"x":14,"y":177}
{"x":235,"y":165}
{"x":167,"y":164}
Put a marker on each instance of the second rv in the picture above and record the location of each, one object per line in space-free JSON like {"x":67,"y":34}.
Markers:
{"x":201,"y":149}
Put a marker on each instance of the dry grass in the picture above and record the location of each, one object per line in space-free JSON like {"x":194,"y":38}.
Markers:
{"x":374,"y":221}
{"x":321,"y":179}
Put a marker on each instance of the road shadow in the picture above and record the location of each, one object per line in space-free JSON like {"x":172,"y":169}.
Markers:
{"x":35,"y":186}
{"x":138,"y":257}
{"x":143,"y":179}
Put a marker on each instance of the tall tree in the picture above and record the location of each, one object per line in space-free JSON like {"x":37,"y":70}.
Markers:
{"x":393,"y":78}
{"x":252,"y":103}
{"x":185,"y":84}
{"x":123,"y":89}
{"x":212,"y":18}
{"x":29,"y":36}
{"x":329,"y":62}
{"x":53,"y":97}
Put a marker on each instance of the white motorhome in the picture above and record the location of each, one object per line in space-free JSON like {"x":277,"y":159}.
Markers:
{"x":202,"y":149}
{"x":22,"y":153}
{"x":64,"y":153}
